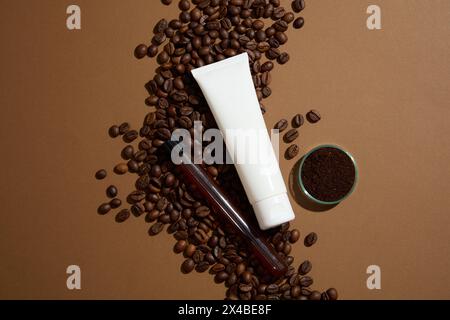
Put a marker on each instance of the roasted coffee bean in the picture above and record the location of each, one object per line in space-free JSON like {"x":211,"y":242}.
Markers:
{"x":189,"y":251}
{"x":221,"y":277}
{"x":100,"y":174}
{"x":267,"y":66}
{"x":166,"y":2}
{"x":294,"y":236}
{"x":121,"y":168}
{"x":136,"y":196}
{"x":114,"y":131}
{"x":115,"y":203}
{"x":202,"y":266}
{"x":306,"y":281}
{"x":122,"y":215}
{"x":310,"y":239}
{"x":111,"y":192}
{"x":104,"y":208}
{"x":283,"y":58}
{"x":246,"y":277}
{"x":127,"y":152}
{"x":332,"y":294}
{"x":292,"y":152}
{"x":305,"y":267}
{"x":187,"y":266}
{"x":184,"y":5}
{"x":180,"y":246}
{"x":132,"y":166}
{"x":202,"y":212}
{"x":315,"y":295}
{"x":140,"y":51}
{"x":290,"y":136}
{"x":298,"y":121}
{"x":156,"y":228}
{"x":124,"y":128}
{"x":281,"y":125}
{"x":272,"y":288}
{"x":313,"y":116}
{"x":130,"y":136}
{"x":152,"y":51}
{"x":298,"y":5}
{"x":137,"y":209}
{"x":298,"y":23}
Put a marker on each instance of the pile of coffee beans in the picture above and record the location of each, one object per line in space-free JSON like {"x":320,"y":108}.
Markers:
{"x":328,"y":174}
{"x":207,"y":31}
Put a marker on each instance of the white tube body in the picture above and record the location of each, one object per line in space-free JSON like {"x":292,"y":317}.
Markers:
{"x":228,"y":88}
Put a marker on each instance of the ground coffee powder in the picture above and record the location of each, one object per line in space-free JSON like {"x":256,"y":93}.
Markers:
{"x":328,"y":174}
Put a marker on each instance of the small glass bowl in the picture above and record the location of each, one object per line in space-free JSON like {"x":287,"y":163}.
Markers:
{"x":307,"y":194}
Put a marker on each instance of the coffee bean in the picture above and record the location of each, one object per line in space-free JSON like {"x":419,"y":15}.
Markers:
{"x":100,"y":174}
{"x":315,"y":295}
{"x":221,"y":277}
{"x":272,"y":288}
{"x":281,"y":125}
{"x":306,"y":281}
{"x":121,"y":168}
{"x":166,"y":2}
{"x":292,"y":152}
{"x":137,"y":209}
{"x":152,"y":51}
{"x":294,"y":236}
{"x":111,"y":191}
{"x":184,"y":5}
{"x":298,"y":23}
{"x":127,"y":152}
{"x":104,"y":208}
{"x":130,"y":136}
{"x":298,"y":5}
{"x":332,"y":294}
{"x":310,"y":239}
{"x":122,"y":215}
{"x":246,"y":277}
{"x":283,"y":58}
{"x":245,"y":287}
{"x":298,"y":121}
{"x":189,"y":251}
{"x":156,"y":228}
{"x":114,"y":131}
{"x":115,"y":203}
{"x":305,"y":267}
{"x":202,"y":266}
{"x":290,"y":136}
{"x":136,"y":196}
{"x":313,"y":116}
{"x":202,"y":212}
{"x":180,"y":246}
{"x":187,"y":266}
{"x":124,"y":128}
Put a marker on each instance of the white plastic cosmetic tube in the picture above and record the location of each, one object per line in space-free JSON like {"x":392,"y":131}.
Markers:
{"x":228,"y":88}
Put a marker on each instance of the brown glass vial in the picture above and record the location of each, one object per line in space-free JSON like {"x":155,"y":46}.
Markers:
{"x":225,"y":210}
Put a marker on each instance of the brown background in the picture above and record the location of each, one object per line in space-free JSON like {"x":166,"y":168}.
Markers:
{"x":383,"y":95}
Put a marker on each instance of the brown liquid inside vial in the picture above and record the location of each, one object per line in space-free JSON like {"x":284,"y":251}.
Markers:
{"x":222,"y":206}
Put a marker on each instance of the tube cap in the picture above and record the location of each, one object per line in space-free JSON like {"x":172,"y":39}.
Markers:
{"x":273,"y":211}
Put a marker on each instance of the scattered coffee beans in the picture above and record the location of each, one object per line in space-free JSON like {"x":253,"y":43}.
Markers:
{"x":328,"y":174}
